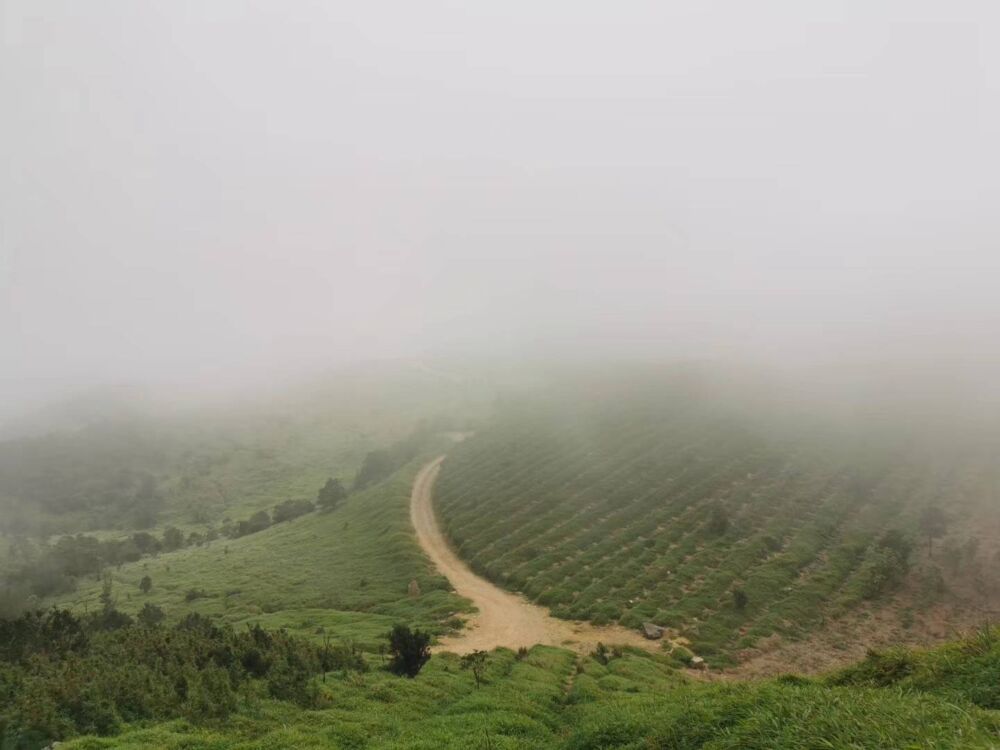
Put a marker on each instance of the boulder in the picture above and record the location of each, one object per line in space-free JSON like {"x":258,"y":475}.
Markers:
{"x":651,"y":631}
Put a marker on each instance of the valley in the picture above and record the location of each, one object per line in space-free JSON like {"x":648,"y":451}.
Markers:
{"x":539,"y":546}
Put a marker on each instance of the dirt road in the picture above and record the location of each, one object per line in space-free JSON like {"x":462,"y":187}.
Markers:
{"x":503,"y":619}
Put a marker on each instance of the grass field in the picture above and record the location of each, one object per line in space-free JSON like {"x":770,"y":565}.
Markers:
{"x":549,"y":698}
{"x":345,"y":571}
{"x":631,"y":505}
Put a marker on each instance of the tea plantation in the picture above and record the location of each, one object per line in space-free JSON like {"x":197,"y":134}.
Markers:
{"x":639,"y":504}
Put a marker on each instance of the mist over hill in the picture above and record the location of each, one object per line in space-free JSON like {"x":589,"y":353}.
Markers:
{"x":499,"y":375}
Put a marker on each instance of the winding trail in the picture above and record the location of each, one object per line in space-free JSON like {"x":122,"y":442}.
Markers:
{"x":503,"y":618}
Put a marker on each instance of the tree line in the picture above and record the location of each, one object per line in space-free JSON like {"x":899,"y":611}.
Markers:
{"x":62,"y":674}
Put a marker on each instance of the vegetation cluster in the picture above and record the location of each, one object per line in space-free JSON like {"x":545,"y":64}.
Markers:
{"x":615,"y":698}
{"x":62,"y":675}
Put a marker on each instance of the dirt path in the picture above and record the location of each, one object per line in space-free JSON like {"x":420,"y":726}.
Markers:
{"x":504,"y":618}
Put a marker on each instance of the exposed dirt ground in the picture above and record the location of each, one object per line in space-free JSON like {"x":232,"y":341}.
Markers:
{"x":504,"y":618}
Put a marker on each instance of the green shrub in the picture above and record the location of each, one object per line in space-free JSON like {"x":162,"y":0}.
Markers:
{"x":410,"y":650}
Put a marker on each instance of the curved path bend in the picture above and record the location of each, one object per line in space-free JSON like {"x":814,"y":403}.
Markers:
{"x":503,"y":618}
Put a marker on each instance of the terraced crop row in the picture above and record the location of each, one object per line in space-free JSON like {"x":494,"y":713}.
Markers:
{"x":634,"y":511}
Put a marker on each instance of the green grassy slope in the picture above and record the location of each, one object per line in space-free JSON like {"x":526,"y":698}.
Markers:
{"x":962,"y":670}
{"x":346,"y":571}
{"x":631,"y":504}
{"x":551,"y":699}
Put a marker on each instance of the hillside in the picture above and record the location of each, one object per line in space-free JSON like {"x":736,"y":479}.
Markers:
{"x":344,"y":574}
{"x":195,"y":464}
{"x":106,"y":493}
{"x":551,"y":698}
{"x":665,"y":500}
{"x":608,"y":505}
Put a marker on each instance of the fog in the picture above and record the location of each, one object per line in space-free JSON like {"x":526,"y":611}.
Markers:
{"x":210,"y":193}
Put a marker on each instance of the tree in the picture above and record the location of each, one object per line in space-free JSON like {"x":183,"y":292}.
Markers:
{"x":885,"y":564}
{"x":410,"y":650}
{"x":143,"y":516}
{"x":146,"y":543}
{"x":109,"y":618}
{"x":476,"y":661}
{"x":740,"y":599}
{"x":173,"y":538}
{"x":326,"y":656}
{"x":331,"y":494}
{"x":107,"y":597}
{"x":150,"y":615}
{"x":257,"y":522}
{"x":718,"y":520}
{"x":121,"y":551}
{"x":934,"y":525}
{"x":145,"y":584}
{"x":377,"y":465}
{"x":290,"y":509}
{"x":600,"y":653}
{"x":144,"y":509}
{"x":896,"y":540}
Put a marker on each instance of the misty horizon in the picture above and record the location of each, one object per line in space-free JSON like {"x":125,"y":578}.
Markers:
{"x":209,"y":196}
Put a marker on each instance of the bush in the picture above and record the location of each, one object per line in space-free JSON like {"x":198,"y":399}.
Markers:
{"x":345,"y":657}
{"x":173,"y":538}
{"x":410,"y":650}
{"x":150,"y":615}
{"x":290,"y":509}
{"x":476,"y":661}
{"x":718,"y":520}
{"x":257,"y":522}
{"x":331,"y":494}
{"x":379,"y":464}
{"x":879,"y":669}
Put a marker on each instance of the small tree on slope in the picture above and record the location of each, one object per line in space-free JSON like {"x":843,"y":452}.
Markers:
{"x":934,"y":525}
{"x":410,"y":650}
{"x":331,"y":495}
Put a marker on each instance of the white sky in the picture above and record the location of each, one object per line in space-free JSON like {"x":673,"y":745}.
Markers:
{"x":194,"y":191}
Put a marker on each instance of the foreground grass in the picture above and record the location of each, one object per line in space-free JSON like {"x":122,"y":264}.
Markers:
{"x":550,"y":699}
{"x":963,"y":670}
